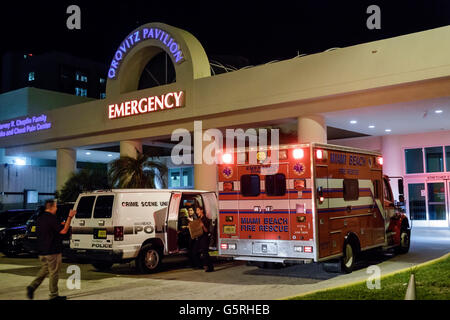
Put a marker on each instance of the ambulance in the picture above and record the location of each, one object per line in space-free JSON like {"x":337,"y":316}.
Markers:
{"x":313,"y":203}
{"x":122,"y":225}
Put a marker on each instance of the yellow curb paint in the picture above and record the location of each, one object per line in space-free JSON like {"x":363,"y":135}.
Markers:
{"x":423,"y":264}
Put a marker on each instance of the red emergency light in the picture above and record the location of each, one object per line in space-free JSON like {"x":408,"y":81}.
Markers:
{"x":308,"y":249}
{"x":298,"y":153}
{"x":224,"y":246}
{"x":380,"y":161}
{"x":319,"y":154}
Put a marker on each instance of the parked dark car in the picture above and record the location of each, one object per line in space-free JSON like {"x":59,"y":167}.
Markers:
{"x":13,"y":229}
{"x":30,"y":238}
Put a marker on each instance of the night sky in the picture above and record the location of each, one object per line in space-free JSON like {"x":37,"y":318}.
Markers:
{"x":258,"y":31}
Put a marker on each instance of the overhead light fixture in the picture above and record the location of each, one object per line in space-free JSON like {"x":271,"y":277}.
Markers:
{"x":20,"y":161}
{"x":371,"y":126}
{"x":353,"y":121}
{"x":438,"y":111}
{"x":88,"y":153}
{"x":109,"y":155}
{"x":388,"y":130}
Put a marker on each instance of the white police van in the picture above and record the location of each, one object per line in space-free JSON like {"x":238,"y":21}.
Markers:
{"x":121,"y":225}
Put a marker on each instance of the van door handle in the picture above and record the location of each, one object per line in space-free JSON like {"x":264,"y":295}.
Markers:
{"x":101,"y":223}
{"x":82,"y":223}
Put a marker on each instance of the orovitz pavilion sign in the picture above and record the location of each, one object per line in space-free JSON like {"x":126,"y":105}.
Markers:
{"x":134,"y":107}
{"x":171,"y":47}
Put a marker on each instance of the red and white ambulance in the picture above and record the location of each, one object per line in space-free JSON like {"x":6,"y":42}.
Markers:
{"x":317,"y":202}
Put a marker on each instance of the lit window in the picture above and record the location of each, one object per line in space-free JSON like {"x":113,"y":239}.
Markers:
{"x":102,"y":95}
{"x":31,"y":76}
{"x":102,"y":80}
{"x":81,"y":77}
{"x":81,"y":92}
{"x":181,"y":178}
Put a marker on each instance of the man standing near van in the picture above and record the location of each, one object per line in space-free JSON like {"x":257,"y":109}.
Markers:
{"x":50,"y":249}
{"x":201,"y":244}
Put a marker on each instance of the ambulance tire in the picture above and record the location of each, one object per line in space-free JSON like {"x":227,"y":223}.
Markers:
{"x":349,"y":258}
{"x":102,"y":266}
{"x":149,"y":259}
{"x":405,"y":241}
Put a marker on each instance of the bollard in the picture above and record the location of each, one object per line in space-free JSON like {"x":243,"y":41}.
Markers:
{"x":411,"y":290}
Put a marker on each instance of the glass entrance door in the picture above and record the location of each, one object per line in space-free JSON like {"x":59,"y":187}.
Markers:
{"x":417,"y":201}
{"x":428,"y":203}
{"x":437,"y":207}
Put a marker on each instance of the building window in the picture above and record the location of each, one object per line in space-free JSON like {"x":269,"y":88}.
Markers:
{"x":351,"y":189}
{"x":81,"y":92}
{"x":102,"y":95}
{"x":414,"y":160}
{"x":434,"y":159}
{"x":31,"y":76}
{"x":250,"y":185}
{"x":182,"y":178}
{"x":275,"y":185}
{"x":102,"y":80}
{"x":81,"y":77}
{"x":447,"y":157}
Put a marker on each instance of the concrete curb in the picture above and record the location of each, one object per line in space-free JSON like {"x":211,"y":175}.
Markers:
{"x":360,"y":282}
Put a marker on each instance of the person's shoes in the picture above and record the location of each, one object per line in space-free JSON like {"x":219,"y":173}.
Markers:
{"x":59,"y":298}
{"x":211,"y":269}
{"x":30,"y":292}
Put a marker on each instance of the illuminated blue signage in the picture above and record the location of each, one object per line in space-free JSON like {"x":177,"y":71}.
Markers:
{"x":24,"y":125}
{"x":172,"y":47}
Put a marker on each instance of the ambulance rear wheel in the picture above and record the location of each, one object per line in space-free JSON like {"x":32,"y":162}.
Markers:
{"x":149,"y":259}
{"x":349,"y":258}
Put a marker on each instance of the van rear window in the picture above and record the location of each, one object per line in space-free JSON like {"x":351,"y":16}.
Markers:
{"x":84,"y":208}
{"x":250,"y":185}
{"x":103,"y":207}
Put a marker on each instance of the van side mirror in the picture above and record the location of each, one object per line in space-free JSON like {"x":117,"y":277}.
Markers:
{"x":400,"y":188}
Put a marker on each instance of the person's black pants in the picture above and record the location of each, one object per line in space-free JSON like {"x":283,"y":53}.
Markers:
{"x":201,"y":252}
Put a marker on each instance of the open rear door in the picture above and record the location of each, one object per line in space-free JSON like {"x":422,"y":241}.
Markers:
{"x":211,"y":211}
{"x":172,"y":223}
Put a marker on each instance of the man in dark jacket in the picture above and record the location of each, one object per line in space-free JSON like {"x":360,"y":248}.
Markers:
{"x":201,"y":244}
{"x":50,"y":248}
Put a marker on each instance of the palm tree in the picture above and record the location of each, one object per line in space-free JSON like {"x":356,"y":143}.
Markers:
{"x":127,"y":172}
{"x":82,"y":181}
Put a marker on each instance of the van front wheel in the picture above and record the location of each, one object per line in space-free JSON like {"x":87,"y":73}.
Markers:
{"x":149,"y":259}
